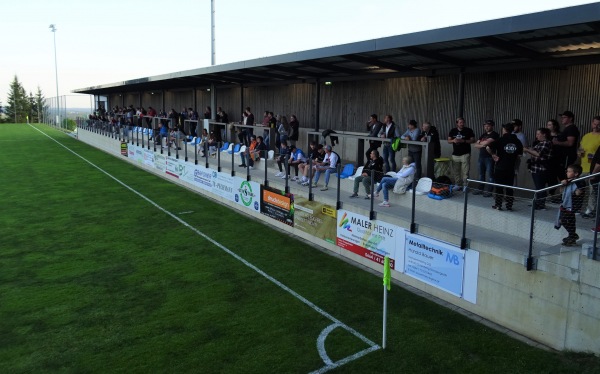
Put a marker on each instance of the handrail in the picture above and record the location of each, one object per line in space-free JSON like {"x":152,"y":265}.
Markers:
{"x":529,"y":189}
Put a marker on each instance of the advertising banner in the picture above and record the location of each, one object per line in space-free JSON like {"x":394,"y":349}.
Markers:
{"x":223,"y":185}
{"x":247,"y":194}
{"x":315,"y":218}
{"x":199,"y":176}
{"x":160,"y":162}
{"x":277,"y":204}
{"x":135,"y":153}
{"x":148,"y":157}
{"x":124,"y":149}
{"x":174,"y":167}
{"x":436,"y":263}
{"x":370,"y":239}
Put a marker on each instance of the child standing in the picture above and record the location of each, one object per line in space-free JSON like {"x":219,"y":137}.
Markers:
{"x":572,"y":197}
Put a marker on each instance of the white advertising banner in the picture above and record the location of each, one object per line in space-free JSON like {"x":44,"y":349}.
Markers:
{"x":223,"y":185}
{"x":436,"y":263}
{"x":199,"y":176}
{"x":371,"y":239}
{"x":160,"y":162}
{"x":247,"y":193}
{"x":148,"y":157}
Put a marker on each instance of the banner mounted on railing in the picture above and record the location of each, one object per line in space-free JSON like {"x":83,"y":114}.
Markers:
{"x":277,"y":204}
{"x":315,"y":218}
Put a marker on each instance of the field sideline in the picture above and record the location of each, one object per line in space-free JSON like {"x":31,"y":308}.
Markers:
{"x":124,"y":271}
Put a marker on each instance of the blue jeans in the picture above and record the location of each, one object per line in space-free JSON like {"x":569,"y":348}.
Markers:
{"x":389,"y":157}
{"x":328,"y":173}
{"x":387,"y":183}
{"x":486,"y":172}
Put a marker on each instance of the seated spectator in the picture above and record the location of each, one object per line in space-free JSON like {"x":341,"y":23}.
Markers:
{"x":315,"y":153}
{"x":297,"y":157}
{"x":329,"y":166}
{"x":213,"y":144}
{"x":203,"y":142}
{"x":176,"y":136}
{"x":406,"y":174}
{"x":259,"y":150}
{"x":283,"y":155}
{"x":162,"y":133}
{"x":376,"y":164}
{"x":249,"y":150}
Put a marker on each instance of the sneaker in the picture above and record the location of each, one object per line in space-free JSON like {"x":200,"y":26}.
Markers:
{"x":376,"y":194}
{"x":588,"y":215}
{"x":285,"y":176}
{"x":485,"y":194}
{"x":368,"y":197}
{"x":324,"y":188}
{"x":304,"y":184}
{"x":294,"y":179}
{"x":496,"y":207}
{"x":279,"y":174}
{"x":595,"y":229}
{"x":384,"y":203}
{"x":251,"y":167}
{"x":315,"y":185}
{"x":354,"y":195}
{"x":569,"y":242}
{"x":242,"y":165}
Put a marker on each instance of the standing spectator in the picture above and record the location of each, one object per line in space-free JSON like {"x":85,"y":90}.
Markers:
{"x":374,"y":164}
{"x":518,"y":125}
{"x":571,"y":203}
{"x":567,"y":141}
{"x":414,"y":151}
{"x":461,"y":138}
{"x":207,"y":113}
{"x":539,"y":164}
{"x":222,"y":116}
{"x":389,"y":131}
{"x":373,"y":128}
{"x":427,"y":130}
{"x":505,"y":152}
{"x":485,"y":163}
{"x":150,"y":117}
{"x":282,"y":128}
{"x":589,"y":144}
{"x":294,"y":129}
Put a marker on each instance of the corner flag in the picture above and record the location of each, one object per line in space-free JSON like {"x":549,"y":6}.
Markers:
{"x":387,"y":276}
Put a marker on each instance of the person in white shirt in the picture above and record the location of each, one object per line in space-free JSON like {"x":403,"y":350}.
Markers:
{"x":329,"y":166}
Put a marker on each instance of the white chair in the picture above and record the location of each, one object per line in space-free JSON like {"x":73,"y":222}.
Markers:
{"x":229,"y":149}
{"x":270,"y":155}
{"x":423,"y":186}
{"x":192,"y":141}
{"x":357,"y":174}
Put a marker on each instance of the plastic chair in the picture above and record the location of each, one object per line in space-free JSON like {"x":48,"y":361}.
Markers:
{"x":224,"y":147}
{"x":357,"y":174}
{"x":229,"y":148}
{"x":270,"y":155}
{"x":192,"y":141}
{"x":347,"y":171}
{"x":423,"y":186}
{"x":235,"y":149}
{"x":241,"y":150}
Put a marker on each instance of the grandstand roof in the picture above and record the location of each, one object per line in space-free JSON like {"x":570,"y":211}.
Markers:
{"x":554,"y":38}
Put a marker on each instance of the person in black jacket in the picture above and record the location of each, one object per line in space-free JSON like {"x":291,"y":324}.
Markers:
{"x":428,"y":130}
{"x":374,"y":163}
{"x":505,"y":153}
{"x":294,"y":129}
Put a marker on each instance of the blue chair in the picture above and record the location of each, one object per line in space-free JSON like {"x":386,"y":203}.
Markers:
{"x":348,"y":171}
{"x":235,"y":149}
{"x":224,"y":147}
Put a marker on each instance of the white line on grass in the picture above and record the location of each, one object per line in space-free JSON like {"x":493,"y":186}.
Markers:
{"x":336,"y":323}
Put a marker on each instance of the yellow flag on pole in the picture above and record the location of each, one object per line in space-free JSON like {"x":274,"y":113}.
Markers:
{"x":387,"y":276}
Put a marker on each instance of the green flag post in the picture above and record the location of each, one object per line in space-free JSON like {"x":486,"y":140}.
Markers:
{"x":387,"y":283}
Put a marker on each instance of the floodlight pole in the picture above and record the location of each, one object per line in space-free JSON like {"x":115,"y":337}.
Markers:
{"x":212,"y":35}
{"x":53,"y":29}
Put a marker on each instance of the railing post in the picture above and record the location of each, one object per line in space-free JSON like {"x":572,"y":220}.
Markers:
{"x":232,"y":162}
{"x":266,"y":182}
{"x":529,"y":262}
{"x":413,"y":226}
{"x":372,"y":212}
{"x":463,"y":239}
{"x":220,"y":145}
{"x":339,"y":182}
{"x":311,"y":196}
{"x":594,"y":253}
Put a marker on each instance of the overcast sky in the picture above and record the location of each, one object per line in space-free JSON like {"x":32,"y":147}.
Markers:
{"x":111,"y":41}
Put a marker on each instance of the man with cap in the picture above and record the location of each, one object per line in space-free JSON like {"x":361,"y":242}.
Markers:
{"x":505,"y":151}
{"x":485,"y":162}
{"x":567,"y":141}
{"x":461,"y":138}
{"x":329,"y":166}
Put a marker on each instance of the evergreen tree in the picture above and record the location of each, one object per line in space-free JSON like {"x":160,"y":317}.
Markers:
{"x":18,"y":104}
{"x":40,"y":108}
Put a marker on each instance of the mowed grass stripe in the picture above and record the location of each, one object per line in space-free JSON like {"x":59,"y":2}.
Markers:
{"x":153,"y":297}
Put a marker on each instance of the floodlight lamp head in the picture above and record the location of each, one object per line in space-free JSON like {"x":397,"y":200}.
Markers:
{"x":52,"y":28}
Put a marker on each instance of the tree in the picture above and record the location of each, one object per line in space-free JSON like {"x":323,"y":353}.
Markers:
{"x":18,"y":104}
{"x":40,"y":108}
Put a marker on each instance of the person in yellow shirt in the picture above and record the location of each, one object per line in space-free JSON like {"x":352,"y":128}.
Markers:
{"x":587,"y":147}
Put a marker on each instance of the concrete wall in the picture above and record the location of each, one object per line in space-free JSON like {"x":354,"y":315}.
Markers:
{"x":556,"y":305}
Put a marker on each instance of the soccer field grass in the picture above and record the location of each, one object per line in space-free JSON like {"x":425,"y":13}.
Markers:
{"x":107,"y":268}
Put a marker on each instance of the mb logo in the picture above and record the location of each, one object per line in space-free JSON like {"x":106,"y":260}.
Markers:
{"x":452,"y":258}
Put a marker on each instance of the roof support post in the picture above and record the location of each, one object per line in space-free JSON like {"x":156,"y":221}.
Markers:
{"x":241,"y":100}
{"x":317,"y":103}
{"x":162,"y":99}
{"x":461,"y":95}
{"x":195,"y":96}
{"x":213,"y":102}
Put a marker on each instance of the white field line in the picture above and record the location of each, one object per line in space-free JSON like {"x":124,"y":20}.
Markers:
{"x":336,"y":323}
